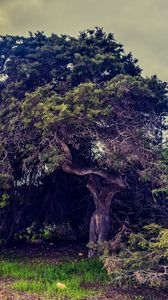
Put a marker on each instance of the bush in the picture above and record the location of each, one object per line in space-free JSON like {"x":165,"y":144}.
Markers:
{"x":143,"y":262}
{"x":48,"y":232}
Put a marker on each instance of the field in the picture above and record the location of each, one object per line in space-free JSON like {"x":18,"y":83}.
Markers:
{"x":58,"y":272}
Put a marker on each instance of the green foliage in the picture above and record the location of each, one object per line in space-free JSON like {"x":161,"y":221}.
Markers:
{"x":5,"y":181}
{"x":144,"y":262}
{"x":53,"y":232}
{"x":50,"y":159}
{"x":123,"y":85}
{"x":47,"y":110}
{"x":162,"y":192}
{"x":3,"y":200}
{"x":38,"y":60}
{"x":81,"y":92}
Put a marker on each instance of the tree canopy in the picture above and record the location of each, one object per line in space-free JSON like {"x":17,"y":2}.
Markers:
{"x":79,"y":105}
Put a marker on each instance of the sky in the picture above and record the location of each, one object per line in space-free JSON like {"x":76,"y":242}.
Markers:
{"x":140,"y":25}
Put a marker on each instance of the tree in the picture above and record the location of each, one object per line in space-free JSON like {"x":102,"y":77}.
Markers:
{"x":99,"y":120}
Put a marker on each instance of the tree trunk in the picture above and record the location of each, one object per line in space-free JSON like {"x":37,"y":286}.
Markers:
{"x":99,"y":230}
{"x":103,"y":187}
{"x":103,"y":193}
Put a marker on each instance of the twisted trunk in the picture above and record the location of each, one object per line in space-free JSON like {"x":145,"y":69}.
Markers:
{"x":103,"y":192}
{"x":103,"y":188}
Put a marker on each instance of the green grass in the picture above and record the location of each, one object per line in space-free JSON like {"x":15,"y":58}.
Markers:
{"x":39,"y":277}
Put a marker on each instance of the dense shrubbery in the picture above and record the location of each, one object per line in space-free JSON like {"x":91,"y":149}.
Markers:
{"x":143,"y":262}
{"x":48,"y":232}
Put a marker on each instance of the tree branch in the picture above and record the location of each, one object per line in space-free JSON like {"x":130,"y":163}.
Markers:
{"x":68,"y":167}
{"x":116,"y":181}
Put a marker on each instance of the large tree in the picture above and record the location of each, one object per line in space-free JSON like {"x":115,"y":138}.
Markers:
{"x":86,"y":110}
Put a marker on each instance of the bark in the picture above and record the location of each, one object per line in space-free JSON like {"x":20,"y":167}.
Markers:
{"x":103,"y":188}
{"x":103,"y":193}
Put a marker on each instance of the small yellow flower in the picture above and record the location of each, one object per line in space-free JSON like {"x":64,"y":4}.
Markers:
{"x":61,"y":285}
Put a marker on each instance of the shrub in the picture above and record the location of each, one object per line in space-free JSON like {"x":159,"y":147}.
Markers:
{"x":47,"y":232}
{"x":144,"y":261}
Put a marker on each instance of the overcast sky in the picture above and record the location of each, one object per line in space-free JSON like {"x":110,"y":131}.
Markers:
{"x":141,"y":25}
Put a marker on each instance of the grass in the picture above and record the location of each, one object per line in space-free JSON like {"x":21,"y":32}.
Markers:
{"x":39,"y":277}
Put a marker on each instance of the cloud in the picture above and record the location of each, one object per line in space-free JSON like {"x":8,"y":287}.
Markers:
{"x":140,"y":25}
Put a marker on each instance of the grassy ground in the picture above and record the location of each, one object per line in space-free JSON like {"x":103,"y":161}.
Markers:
{"x":38,"y":277}
{"x":32,"y":273}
